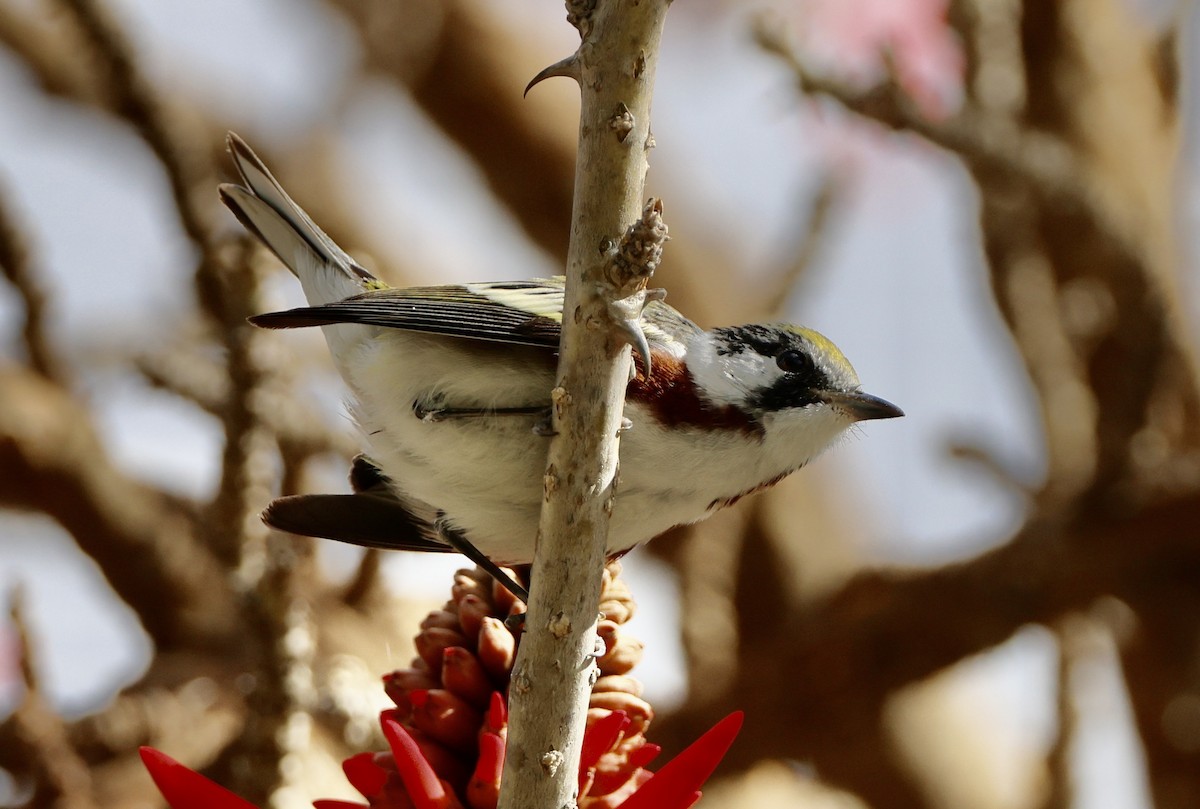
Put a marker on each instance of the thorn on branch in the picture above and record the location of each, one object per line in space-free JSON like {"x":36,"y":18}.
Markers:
{"x":567,"y":68}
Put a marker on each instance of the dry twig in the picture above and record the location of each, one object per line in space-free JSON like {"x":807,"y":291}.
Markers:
{"x":61,"y":777}
{"x":16,"y":265}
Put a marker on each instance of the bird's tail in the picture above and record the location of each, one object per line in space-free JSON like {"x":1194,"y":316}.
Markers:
{"x":326,"y":272}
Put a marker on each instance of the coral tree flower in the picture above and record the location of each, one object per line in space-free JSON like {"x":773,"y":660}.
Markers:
{"x":447,"y":733}
{"x":405,"y":779}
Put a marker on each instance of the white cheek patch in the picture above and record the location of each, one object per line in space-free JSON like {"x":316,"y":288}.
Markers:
{"x":729,"y":379}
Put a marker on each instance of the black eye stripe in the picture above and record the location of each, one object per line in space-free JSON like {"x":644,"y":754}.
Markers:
{"x":806,"y":374}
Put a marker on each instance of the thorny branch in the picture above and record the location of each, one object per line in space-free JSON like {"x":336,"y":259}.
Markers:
{"x":611,"y":255}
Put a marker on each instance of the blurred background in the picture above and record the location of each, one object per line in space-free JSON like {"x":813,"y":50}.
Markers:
{"x":990,"y":205}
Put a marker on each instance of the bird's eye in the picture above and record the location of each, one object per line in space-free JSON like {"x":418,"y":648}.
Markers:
{"x":794,"y":362}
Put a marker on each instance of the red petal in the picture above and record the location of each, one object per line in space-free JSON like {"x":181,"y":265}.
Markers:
{"x":187,"y":789}
{"x":420,"y":781}
{"x":491,"y":757}
{"x":365,"y":775}
{"x":483,"y":791}
{"x":497,"y":713}
{"x":677,"y":784}
{"x":602,"y":735}
{"x":598,"y":739}
{"x":644,"y":755}
{"x":331,"y":804}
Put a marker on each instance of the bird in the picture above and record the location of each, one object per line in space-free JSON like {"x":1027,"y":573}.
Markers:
{"x":451,"y":391}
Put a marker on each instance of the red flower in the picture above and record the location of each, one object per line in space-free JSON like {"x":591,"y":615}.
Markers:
{"x":405,"y":780}
{"x":677,"y":784}
{"x":187,"y":789}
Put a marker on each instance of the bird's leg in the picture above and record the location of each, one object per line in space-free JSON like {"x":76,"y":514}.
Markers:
{"x":626,"y":315}
{"x":455,"y":539}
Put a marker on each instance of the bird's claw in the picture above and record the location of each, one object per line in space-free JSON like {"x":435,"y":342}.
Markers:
{"x":626,"y":314}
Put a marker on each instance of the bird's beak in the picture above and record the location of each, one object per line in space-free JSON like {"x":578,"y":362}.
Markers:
{"x":862,"y":406}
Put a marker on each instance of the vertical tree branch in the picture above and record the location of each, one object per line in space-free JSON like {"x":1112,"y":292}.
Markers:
{"x":62,"y":778}
{"x":15,"y":265}
{"x":607,"y":266}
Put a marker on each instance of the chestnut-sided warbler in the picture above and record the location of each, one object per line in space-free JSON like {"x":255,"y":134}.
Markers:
{"x":452,"y":383}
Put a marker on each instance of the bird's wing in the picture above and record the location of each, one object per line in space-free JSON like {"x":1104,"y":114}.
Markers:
{"x":515,"y":312}
{"x":519,"y":312}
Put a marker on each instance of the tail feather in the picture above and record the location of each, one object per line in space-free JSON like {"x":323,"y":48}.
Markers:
{"x":374,"y":516}
{"x":326,"y":272}
{"x":369,"y":520}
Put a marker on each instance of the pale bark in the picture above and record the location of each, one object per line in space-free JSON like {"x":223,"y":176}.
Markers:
{"x":554,"y":670}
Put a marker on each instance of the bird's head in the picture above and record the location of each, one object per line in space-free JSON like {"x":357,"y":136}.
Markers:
{"x":790,"y":381}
